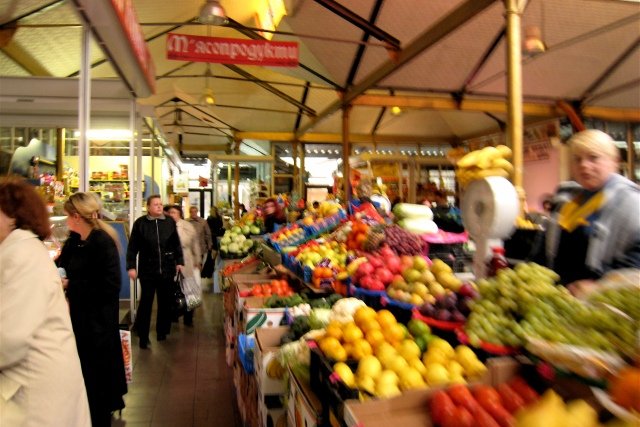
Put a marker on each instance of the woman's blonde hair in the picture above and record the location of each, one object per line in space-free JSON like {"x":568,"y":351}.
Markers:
{"x":88,"y":206}
{"x":594,"y":141}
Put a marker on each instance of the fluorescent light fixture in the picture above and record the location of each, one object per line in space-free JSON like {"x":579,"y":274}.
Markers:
{"x":107,"y":134}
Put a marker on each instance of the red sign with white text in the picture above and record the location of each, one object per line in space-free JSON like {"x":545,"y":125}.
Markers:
{"x":184,"y":47}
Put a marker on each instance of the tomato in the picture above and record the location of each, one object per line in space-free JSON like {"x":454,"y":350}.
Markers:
{"x":483,"y":419}
{"x":503,"y":417}
{"x":485,"y":393}
{"x":461,"y":396}
{"x":441,"y":407}
{"x":523,"y":389}
{"x":511,"y":400}
{"x":460,"y":417}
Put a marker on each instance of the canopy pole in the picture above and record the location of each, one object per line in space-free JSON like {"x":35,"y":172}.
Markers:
{"x":236,"y":202}
{"x":346,"y":151}
{"x":513,"y":11}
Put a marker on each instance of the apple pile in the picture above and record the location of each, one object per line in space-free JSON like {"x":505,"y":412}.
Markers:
{"x":379,"y":270}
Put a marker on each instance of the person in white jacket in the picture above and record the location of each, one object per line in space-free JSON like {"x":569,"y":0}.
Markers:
{"x":190,"y":242}
{"x":41,"y":382}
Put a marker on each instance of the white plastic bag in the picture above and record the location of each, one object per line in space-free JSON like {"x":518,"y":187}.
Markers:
{"x":192,"y":290}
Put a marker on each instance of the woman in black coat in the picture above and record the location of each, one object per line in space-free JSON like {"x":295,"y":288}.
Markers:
{"x":92,"y":266}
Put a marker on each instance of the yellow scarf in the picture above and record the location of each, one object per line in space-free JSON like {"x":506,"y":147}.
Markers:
{"x":574,"y":214}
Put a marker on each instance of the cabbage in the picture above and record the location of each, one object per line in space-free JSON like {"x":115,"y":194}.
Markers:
{"x":343,"y":309}
{"x":247,"y":244}
{"x":234,"y":248}
{"x":246,"y":230}
{"x":225,"y":240}
{"x":239,"y":238}
{"x":319,"y":318}
{"x":236,"y":230}
{"x":255,"y":230}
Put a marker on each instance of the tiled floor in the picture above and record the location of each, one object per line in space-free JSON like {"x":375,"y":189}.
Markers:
{"x":183,"y":381}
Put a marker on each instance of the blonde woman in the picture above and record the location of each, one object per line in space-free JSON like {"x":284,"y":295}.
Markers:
{"x":90,"y":257}
{"x":40,"y":376}
{"x":597,"y":229}
{"x":190,"y":242}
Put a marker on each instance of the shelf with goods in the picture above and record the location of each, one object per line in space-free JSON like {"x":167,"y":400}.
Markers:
{"x":422,"y":353}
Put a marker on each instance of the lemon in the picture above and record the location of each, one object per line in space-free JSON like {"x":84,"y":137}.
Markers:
{"x":444,"y":346}
{"x":366,"y":383}
{"x":339,"y":354}
{"x":369,"y":324}
{"x":386,"y":390}
{"x":351,"y":333}
{"x":437,"y":374}
{"x":369,"y":366}
{"x":434,"y":356}
{"x":397,"y":364}
{"x":360,"y":348}
{"x":385,"y":318}
{"x":388,"y":376}
{"x":375,"y":337}
{"x":410,"y":379}
{"x":328,"y":343}
{"x":454,"y":368}
{"x":419,"y":366}
{"x":334,"y":330}
{"x":345,"y":373}
{"x":409,"y":349}
{"x":362,"y":314}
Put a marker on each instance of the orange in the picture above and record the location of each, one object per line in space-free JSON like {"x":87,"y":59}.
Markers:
{"x":351,"y":333}
{"x":385,"y":318}
{"x":375,"y":337}
{"x":369,"y":324}
{"x":362,"y":314}
{"x":625,"y":388}
{"x":360,"y":348}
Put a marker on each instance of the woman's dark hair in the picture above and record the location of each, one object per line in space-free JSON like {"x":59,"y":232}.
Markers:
{"x":167,"y":208}
{"x":20,"y":200}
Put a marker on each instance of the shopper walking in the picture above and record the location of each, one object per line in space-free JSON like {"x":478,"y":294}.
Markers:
{"x":91,"y":261}
{"x":155,"y":243}
{"x":597,"y":228}
{"x":190,"y":250}
{"x":40,"y":376}
{"x":202,"y":231}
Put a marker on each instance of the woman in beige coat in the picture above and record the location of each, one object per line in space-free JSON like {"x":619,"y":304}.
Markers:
{"x":190,"y":242}
{"x":41,"y":382}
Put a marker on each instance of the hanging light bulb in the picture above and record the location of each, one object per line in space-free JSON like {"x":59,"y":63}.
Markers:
{"x":533,"y":43}
{"x":396,"y":111}
{"x":207,"y":96}
{"x":213,"y":13}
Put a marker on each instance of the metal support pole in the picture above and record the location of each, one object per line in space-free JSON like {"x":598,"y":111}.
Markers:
{"x":84,"y":109}
{"x":346,"y":152}
{"x":513,"y":11}
{"x":60,"y":148}
{"x":296,"y":170}
{"x":631,"y":154}
{"x":236,"y":201}
{"x":303,"y":192}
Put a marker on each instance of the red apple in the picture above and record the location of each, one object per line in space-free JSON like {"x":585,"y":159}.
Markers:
{"x":375,"y":261}
{"x":364,"y":269}
{"x":384,"y":275}
{"x":393,"y":264}
{"x":386,"y":252}
{"x":376,"y":285}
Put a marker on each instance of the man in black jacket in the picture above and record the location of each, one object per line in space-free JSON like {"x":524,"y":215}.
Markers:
{"x":154,"y":241}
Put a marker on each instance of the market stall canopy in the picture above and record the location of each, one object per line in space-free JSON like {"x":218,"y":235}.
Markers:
{"x":442,"y":62}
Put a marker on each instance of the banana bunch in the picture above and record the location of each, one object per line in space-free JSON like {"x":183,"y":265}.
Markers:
{"x":275,"y":369}
{"x":478,"y":164}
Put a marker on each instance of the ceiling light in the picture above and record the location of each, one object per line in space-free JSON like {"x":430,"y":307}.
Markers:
{"x":533,"y":43}
{"x":207,"y":96}
{"x":212,"y":13}
{"x":396,"y":111}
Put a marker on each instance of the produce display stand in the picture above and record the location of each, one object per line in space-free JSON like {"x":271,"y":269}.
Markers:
{"x":269,"y":393}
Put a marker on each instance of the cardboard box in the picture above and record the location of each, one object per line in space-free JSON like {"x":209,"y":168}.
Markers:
{"x":267,"y":346}
{"x":411,"y":409}
{"x":304,"y":409}
{"x":254,"y":306}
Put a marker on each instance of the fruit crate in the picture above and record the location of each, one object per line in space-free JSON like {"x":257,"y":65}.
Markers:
{"x":441,"y":328}
{"x":246,"y":345}
{"x":403,"y":311}
{"x":487,"y":350}
{"x":327,"y":385}
{"x":371,"y":298}
{"x":327,"y":224}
